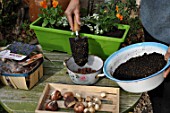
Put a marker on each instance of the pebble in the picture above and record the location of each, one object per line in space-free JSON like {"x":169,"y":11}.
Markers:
{"x":144,"y":105}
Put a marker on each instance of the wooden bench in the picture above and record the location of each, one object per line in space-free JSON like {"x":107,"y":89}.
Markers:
{"x":26,"y":101}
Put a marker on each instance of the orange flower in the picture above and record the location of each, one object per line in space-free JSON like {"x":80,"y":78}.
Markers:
{"x":121,"y":18}
{"x":118,"y":15}
{"x":117,"y":8}
{"x":55,"y":3}
{"x":43,"y":4}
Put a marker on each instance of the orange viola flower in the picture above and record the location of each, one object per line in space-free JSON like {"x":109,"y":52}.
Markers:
{"x":118,"y":15}
{"x":117,"y":8}
{"x":43,"y":4}
{"x":55,"y":3}
{"x":121,"y":17}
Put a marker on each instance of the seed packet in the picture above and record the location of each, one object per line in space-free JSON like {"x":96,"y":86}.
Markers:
{"x":22,"y":48}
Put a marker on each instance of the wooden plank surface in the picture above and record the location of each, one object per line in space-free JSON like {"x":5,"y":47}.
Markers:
{"x":22,"y":101}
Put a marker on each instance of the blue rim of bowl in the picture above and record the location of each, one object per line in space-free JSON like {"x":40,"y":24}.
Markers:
{"x":164,"y":47}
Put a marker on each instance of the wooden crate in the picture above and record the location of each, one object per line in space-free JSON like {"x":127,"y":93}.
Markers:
{"x":110,"y":104}
{"x":23,"y":81}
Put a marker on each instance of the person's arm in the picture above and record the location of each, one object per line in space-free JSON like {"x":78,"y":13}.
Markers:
{"x":73,"y":9}
{"x":167,"y":56}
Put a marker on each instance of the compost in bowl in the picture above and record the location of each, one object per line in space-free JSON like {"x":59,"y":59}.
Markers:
{"x":93,"y":70}
{"x":131,"y":51}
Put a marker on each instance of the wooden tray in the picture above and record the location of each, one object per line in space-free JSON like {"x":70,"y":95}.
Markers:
{"x":110,"y":104}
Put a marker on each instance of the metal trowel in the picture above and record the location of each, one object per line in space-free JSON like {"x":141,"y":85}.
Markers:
{"x":79,"y":46}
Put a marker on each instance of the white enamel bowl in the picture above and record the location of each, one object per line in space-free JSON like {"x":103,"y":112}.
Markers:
{"x":134,"y":50}
{"x":94,"y":62}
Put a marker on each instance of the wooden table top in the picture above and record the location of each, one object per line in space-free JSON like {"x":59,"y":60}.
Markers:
{"x":25,"y":101}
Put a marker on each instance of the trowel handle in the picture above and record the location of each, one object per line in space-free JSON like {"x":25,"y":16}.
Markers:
{"x":76,"y":25}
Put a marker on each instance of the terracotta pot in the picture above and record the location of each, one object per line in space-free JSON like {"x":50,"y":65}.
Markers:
{"x":34,"y":7}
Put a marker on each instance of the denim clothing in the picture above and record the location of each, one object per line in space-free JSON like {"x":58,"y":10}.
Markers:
{"x":160,"y":96}
{"x":155,"y":17}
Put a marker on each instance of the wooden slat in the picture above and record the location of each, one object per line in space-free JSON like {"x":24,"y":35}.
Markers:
{"x":20,"y":82}
{"x":81,"y":88}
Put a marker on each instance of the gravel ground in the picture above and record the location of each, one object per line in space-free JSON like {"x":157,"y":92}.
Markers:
{"x":144,"y":105}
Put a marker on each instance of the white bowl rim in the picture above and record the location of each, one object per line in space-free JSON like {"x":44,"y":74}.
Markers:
{"x":83,"y":66}
{"x":164,"y":47}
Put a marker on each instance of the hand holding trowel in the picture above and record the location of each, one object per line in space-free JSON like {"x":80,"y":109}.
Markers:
{"x":79,"y":46}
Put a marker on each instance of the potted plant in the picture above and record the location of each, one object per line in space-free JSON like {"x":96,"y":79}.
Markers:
{"x":52,"y":33}
{"x":107,"y":27}
{"x":47,"y":27}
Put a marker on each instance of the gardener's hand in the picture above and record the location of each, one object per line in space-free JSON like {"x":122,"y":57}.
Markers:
{"x":73,"y":9}
{"x":167,"y":55}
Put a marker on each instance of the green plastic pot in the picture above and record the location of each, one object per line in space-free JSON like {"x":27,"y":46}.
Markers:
{"x":56,"y":39}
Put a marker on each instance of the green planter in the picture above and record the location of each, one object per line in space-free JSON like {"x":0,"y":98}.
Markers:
{"x":55,"y":39}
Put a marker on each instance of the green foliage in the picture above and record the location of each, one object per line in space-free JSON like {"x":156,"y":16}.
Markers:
{"x":133,"y":19}
{"x":8,"y":17}
{"x":8,"y":13}
{"x":52,"y":16}
{"x":3,"y":43}
{"x":2,"y":110}
{"x":27,"y":34}
{"x":135,"y":25}
{"x":107,"y":16}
